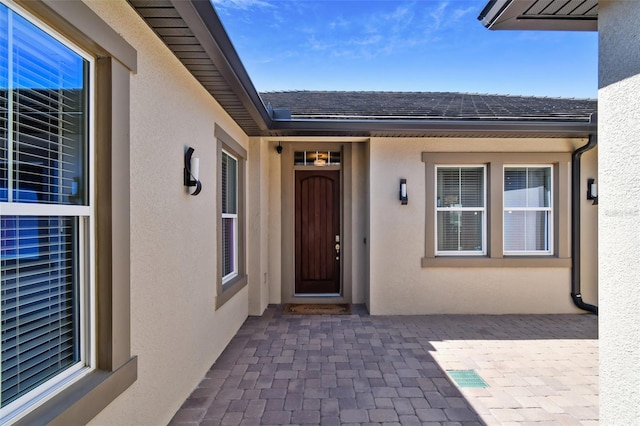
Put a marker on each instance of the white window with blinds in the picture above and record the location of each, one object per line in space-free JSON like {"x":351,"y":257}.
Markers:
{"x":229,"y":177}
{"x":528,"y":210}
{"x":46,"y":212}
{"x":460,"y":210}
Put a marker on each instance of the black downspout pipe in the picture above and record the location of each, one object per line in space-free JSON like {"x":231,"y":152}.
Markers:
{"x":575,"y":225}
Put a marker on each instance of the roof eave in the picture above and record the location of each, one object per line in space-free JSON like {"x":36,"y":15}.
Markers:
{"x":492,"y":10}
{"x":510,"y":15}
{"x":203,"y":21}
{"x":427,"y":128}
{"x":192,"y":30}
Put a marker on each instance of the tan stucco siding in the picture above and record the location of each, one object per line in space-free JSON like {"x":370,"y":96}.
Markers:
{"x":359,"y":214}
{"x":400,"y":284}
{"x":175,"y":330}
{"x":275,"y":225}
{"x":258,"y":225}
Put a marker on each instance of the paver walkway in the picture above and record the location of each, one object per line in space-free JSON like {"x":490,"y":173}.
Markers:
{"x":361,"y":369}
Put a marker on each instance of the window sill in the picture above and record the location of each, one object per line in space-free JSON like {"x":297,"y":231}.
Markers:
{"x":83,"y":400}
{"x":497,"y":262}
{"x":230,"y":289}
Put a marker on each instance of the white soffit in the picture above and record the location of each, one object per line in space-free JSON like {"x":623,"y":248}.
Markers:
{"x":567,"y":15}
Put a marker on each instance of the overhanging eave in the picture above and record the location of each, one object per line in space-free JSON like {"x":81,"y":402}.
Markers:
{"x":192,"y":30}
{"x":201,"y":18}
{"x":425,"y":128}
{"x":552,"y":15}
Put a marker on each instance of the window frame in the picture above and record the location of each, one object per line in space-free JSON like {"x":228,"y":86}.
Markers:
{"x":234,"y":217}
{"x":85,"y":215}
{"x":548,"y":210}
{"x":461,"y":209}
{"x":227,"y":287}
{"x":495,"y":256}
{"x":115,"y":368}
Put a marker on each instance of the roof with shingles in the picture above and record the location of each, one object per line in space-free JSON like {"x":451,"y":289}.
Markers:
{"x":194,"y":33}
{"x":428,"y":105}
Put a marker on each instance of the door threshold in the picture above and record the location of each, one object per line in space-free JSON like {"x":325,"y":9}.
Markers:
{"x":317,"y":295}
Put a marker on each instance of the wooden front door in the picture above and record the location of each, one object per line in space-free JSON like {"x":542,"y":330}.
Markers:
{"x":317,"y":232}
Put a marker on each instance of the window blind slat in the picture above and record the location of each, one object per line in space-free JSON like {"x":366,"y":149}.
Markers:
{"x":48,"y":364}
{"x":32,"y":349}
{"x":38,"y":297}
{"x":228,"y":243}
{"x":229,"y":181}
{"x":30,"y":310}
{"x":460,"y":203}
{"x":34,"y":325}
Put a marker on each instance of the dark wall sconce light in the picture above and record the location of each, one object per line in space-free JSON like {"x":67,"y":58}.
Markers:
{"x":192,"y":172}
{"x":404,"y":198}
{"x":279,"y":148}
{"x":592,"y":190}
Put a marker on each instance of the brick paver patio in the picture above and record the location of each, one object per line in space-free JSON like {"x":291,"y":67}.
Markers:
{"x":359,"y":369}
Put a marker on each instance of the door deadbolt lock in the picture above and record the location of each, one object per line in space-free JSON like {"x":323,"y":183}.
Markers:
{"x":337,"y":248}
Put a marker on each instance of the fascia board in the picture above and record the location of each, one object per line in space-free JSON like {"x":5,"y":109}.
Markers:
{"x":492,"y":11}
{"x":548,"y":24}
{"x":445,"y":126}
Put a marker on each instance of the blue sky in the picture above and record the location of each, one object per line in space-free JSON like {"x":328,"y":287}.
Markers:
{"x":397,"y":45}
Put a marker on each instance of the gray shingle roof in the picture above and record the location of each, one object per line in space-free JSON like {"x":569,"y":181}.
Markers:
{"x":193,"y":31}
{"x":428,"y":105}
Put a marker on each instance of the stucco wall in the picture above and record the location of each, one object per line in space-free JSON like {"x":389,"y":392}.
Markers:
{"x":619,"y":215}
{"x":367,"y":225}
{"x":359,"y":213}
{"x":175,"y":331}
{"x":275,"y":225}
{"x":398,"y":282}
{"x":258,"y":220}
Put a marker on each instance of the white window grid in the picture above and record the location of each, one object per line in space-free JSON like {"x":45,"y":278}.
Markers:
{"x":234,"y":224}
{"x":481,"y":210}
{"x":548,"y":210}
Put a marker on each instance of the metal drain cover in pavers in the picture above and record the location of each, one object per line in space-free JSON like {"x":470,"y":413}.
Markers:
{"x":467,"y":379}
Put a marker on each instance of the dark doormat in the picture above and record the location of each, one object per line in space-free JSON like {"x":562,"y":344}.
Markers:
{"x":317,"y":309}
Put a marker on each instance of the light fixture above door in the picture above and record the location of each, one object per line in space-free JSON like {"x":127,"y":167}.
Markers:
{"x":319,"y":161}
